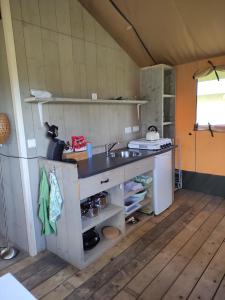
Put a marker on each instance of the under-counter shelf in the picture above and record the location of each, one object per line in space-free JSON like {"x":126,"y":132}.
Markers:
{"x":101,"y":247}
{"x":106,"y":213}
{"x":131,"y":193}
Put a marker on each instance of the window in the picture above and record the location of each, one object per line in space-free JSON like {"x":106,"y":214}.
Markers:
{"x":211,"y":100}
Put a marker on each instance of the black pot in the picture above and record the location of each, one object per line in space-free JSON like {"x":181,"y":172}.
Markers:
{"x":90,"y":239}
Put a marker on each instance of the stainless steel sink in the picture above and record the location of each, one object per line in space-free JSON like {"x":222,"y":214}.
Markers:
{"x":124,"y":154}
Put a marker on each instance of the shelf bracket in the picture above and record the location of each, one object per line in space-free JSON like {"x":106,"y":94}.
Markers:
{"x":40,"y":112}
{"x":138,"y":111}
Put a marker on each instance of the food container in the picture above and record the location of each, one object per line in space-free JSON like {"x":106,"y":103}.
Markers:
{"x":138,"y":196}
{"x":92,"y":212}
{"x":101,"y":200}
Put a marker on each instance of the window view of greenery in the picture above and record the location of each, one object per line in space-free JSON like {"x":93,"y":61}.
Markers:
{"x":211,"y":99}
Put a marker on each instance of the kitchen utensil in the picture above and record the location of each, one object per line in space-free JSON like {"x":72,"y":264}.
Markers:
{"x":90,"y":239}
{"x":8,"y":253}
{"x":110,"y":232}
{"x":152,"y":134}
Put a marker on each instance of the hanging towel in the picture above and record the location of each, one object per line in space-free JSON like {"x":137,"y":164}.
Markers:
{"x":43,"y":212}
{"x":55,"y":204}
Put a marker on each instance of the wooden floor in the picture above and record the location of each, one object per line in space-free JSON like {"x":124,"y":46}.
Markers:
{"x":177,"y":255}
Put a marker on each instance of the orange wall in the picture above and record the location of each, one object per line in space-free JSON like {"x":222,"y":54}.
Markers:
{"x":199,"y":151}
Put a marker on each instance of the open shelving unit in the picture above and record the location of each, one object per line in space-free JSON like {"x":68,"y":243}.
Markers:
{"x":158,"y":86}
{"x":104,"y":214}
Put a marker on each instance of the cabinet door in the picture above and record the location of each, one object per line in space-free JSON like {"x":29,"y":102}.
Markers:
{"x":162,"y":182}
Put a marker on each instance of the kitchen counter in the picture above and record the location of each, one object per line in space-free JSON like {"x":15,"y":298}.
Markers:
{"x":100,"y":162}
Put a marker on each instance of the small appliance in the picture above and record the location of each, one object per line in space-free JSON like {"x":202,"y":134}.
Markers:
{"x":152,"y":134}
{"x":56,"y":146}
{"x":144,"y":144}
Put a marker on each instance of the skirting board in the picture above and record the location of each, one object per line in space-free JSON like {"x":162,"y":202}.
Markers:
{"x":205,"y":183}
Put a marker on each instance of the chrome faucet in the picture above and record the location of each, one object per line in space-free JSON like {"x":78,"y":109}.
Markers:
{"x":108,"y":147}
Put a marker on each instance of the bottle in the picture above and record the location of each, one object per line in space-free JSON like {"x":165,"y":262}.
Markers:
{"x":89,"y":149}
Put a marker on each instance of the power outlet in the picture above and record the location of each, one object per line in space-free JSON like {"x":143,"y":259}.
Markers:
{"x":128,"y":130}
{"x":135,"y":128}
{"x":31,"y":143}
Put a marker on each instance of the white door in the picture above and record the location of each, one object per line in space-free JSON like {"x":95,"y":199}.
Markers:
{"x":162,"y":182}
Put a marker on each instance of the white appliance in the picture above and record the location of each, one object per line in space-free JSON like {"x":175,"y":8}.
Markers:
{"x":152,"y":133}
{"x":150,"y":145}
{"x":162,"y":182}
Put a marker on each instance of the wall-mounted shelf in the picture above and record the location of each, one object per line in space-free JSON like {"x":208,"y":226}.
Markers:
{"x":81,"y":101}
{"x":56,"y":100}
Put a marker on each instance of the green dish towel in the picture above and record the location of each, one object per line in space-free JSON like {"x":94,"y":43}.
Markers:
{"x":44,"y":197}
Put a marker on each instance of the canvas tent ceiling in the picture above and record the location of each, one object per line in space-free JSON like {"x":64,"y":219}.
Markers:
{"x":174,"y":31}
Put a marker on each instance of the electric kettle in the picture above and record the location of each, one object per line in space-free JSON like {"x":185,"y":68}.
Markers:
{"x":152,"y":134}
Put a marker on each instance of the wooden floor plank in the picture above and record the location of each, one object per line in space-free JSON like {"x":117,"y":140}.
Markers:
{"x":53,"y":282}
{"x":160,"y":285}
{"x":122,"y":262}
{"x":141,"y":281}
{"x":40,"y":271}
{"x":23,"y":263}
{"x":196,"y":267}
{"x":7,"y":263}
{"x":220,"y":293}
{"x":178,"y":254}
{"x":210,"y":280}
{"x":122,"y":278}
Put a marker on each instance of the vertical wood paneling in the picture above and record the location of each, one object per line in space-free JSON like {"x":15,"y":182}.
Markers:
{"x":51,"y":61}
{"x":63,"y":16}
{"x":76,"y":19}
{"x":61,"y":48}
{"x":66,"y":65}
{"x":30,"y":11}
{"x":48,"y":14}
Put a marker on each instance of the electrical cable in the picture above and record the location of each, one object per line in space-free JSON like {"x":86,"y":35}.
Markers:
{"x":137,"y":34}
{"x":13,"y":156}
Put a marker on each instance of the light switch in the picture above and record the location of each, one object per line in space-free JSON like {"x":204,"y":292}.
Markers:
{"x":135,"y":128}
{"x":31,"y":143}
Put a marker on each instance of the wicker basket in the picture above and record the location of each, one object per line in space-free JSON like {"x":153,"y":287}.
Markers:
{"x":4,"y":128}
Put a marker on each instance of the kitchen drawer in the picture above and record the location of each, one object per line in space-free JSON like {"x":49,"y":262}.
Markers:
{"x":139,"y":167}
{"x":94,"y":184}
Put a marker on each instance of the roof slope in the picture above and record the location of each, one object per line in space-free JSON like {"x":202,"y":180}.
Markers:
{"x":174,"y":31}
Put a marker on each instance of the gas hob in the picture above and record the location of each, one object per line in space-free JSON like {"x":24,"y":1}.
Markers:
{"x":143,"y":144}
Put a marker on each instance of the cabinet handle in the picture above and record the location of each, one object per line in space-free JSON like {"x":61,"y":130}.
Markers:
{"x":105,"y":181}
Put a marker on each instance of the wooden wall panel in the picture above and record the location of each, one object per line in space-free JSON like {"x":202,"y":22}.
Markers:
{"x":60,"y":47}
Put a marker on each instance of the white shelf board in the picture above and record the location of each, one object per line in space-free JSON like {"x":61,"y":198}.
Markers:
{"x":131,"y":193}
{"x":168,"y":96}
{"x":56,"y":100}
{"x":106,"y":213}
{"x":167,"y":123}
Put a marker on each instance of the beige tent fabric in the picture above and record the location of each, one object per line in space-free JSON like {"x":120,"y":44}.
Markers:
{"x":174,"y":31}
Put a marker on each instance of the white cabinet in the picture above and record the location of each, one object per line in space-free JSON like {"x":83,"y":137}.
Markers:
{"x":163,"y":182}
{"x":68,"y":243}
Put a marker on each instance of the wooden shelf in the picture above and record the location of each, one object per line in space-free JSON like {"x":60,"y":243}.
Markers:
{"x":106,"y":213}
{"x":56,"y":100}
